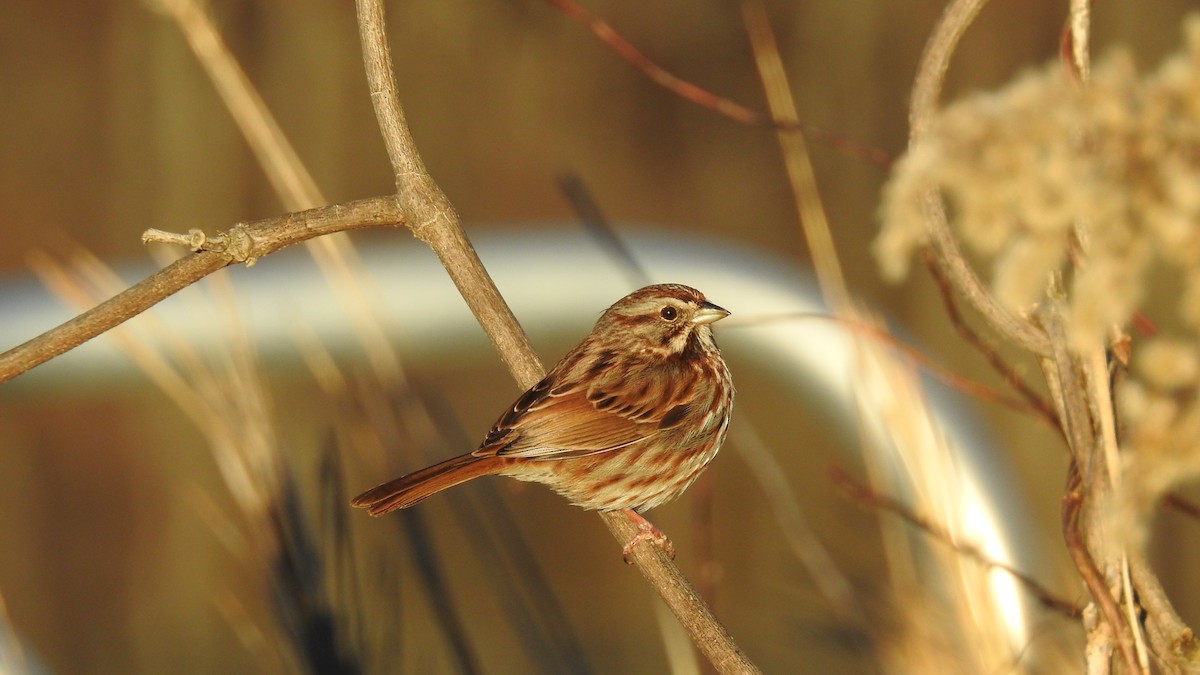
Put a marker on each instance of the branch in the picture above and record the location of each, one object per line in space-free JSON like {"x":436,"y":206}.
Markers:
{"x":245,"y":242}
{"x":870,"y":498}
{"x":926,"y":90}
{"x":1036,"y":403}
{"x":704,"y":98}
{"x":1093,"y":578}
{"x":436,"y":223}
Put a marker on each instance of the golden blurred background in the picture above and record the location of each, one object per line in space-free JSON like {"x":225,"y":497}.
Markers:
{"x":120,"y":548}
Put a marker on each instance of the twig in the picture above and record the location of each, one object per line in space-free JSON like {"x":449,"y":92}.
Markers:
{"x":435,"y":220}
{"x":1167,"y":631}
{"x":655,"y":73}
{"x":1039,"y":405}
{"x":436,"y":223}
{"x":926,"y":89}
{"x":334,"y":255}
{"x":261,"y":237}
{"x":702,"y":97}
{"x":1072,"y":505}
{"x":1184,"y":506}
{"x":870,"y":498}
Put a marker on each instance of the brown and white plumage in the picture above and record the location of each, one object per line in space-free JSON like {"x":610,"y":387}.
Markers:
{"x":626,"y":420}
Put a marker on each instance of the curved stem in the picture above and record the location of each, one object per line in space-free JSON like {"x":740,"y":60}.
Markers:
{"x":926,"y":90}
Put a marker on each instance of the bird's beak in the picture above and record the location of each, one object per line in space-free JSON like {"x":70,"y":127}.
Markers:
{"x":709,"y":313}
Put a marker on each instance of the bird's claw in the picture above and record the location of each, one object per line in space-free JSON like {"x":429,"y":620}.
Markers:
{"x":646,"y":532}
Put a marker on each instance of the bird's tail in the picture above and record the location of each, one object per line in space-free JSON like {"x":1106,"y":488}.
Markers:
{"x":405,"y":491}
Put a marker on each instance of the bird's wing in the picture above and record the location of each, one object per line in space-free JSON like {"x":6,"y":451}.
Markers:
{"x":614,"y":408}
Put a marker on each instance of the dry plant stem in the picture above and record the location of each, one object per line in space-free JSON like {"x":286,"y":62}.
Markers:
{"x":255,"y":239}
{"x":435,"y":222}
{"x":1081,"y":19}
{"x":868,"y":497}
{"x":1094,"y":363}
{"x":1087,"y":484}
{"x":1072,"y":507}
{"x":795,"y":157}
{"x":927,"y":88}
{"x":1169,"y":635}
{"x":1039,"y":406}
{"x":336,"y":258}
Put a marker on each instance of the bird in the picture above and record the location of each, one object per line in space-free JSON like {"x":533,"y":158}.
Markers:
{"x":625,"y":421}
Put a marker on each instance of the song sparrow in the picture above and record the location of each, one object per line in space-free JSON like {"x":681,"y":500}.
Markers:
{"x":626,"y":420}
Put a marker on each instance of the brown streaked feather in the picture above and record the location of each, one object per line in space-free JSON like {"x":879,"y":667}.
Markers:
{"x":569,"y":414}
{"x":405,"y":491}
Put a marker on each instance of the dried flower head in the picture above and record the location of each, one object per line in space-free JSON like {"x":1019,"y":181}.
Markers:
{"x":1045,"y":171}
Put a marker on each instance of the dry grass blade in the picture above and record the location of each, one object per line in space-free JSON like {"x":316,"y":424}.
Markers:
{"x":809,"y":208}
{"x":335,"y":256}
{"x":520,"y":582}
{"x":13,"y":658}
{"x":837,"y":590}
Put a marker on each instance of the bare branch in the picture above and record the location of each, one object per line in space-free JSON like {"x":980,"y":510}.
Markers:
{"x":253,"y":240}
{"x":1072,"y":505}
{"x":1036,"y":403}
{"x":436,"y":223}
{"x":870,"y":498}
{"x":926,"y":90}
{"x":435,"y":220}
{"x":704,"y":98}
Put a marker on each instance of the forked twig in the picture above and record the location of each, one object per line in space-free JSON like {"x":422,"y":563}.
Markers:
{"x":257,"y":239}
{"x":1037,"y":403}
{"x":924,"y":101}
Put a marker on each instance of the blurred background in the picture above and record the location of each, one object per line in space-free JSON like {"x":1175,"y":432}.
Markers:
{"x":122,"y":548}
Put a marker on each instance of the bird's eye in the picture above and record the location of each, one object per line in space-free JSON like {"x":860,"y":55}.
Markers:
{"x":669,"y":313}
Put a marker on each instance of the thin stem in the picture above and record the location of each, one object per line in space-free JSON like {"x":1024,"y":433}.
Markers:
{"x":926,"y":89}
{"x":253,"y":240}
{"x":435,"y":220}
